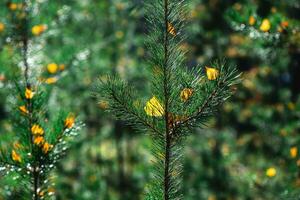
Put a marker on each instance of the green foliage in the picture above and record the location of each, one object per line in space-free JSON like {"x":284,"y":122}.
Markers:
{"x":227,"y":158}
{"x":39,"y":139}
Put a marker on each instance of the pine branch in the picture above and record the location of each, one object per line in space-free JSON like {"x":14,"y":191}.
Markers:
{"x":217,"y":96}
{"x":120,"y":96}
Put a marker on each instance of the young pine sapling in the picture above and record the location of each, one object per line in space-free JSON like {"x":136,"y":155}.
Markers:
{"x":181,"y":98}
{"x":39,"y":139}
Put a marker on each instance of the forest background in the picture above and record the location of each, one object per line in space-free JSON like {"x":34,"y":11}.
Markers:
{"x":248,"y":151}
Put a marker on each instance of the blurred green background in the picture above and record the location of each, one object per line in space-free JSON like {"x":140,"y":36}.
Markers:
{"x":248,"y":151}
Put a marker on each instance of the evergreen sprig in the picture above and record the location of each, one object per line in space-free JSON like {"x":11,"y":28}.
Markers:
{"x":40,"y":139}
{"x":182,"y":98}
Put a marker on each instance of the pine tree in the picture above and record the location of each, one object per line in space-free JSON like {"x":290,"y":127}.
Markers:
{"x":40,"y":139}
{"x":182,"y":99}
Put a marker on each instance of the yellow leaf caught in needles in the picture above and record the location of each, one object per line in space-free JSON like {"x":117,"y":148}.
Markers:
{"x":47,"y":147}
{"x":62,"y":67}
{"x":185,"y":94}
{"x":293,"y":152}
{"x":252,"y":20}
{"x":265,"y":25}
{"x":13,"y":6}
{"x":69,"y":121}
{"x":28,"y":93}
{"x":52,"y":68}
{"x":15,"y":156}
{"x":171,"y":29}
{"x":23,"y":109}
{"x":17,"y":145}
{"x":154,"y":108}
{"x":271,"y":172}
{"x":37,"y":130}
{"x":103,"y":105}
{"x":2,"y":27}
{"x":38,"y":140}
{"x":38,"y":29}
{"x":212,"y":73}
{"x":51,"y":80}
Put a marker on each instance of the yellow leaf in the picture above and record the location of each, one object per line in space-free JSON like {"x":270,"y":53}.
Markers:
{"x":28,"y":93}
{"x":13,"y":6}
{"x":15,"y":156}
{"x":284,"y":24}
{"x":271,"y":172}
{"x":252,"y":20}
{"x":154,"y":108}
{"x":23,"y":109}
{"x":17,"y":145}
{"x":52,"y":68}
{"x":185,"y":94}
{"x":47,"y":147}
{"x":38,"y":140}
{"x":265,"y":25}
{"x":212,"y":73}
{"x":62,"y":67}
{"x":171,"y":29}
{"x":103,"y":105}
{"x":293,"y":152}
{"x":51,"y":80}
{"x":38,"y":29}
{"x":37,"y":130}
{"x":69,"y":122}
{"x":2,"y":27}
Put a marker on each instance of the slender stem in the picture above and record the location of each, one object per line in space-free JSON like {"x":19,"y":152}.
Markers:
{"x":25,"y":41}
{"x":25,"y":59}
{"x":25,"y":47}
{"x":26,"y":71}
{"x":166,"y":95}
{"x":167,"y":162}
